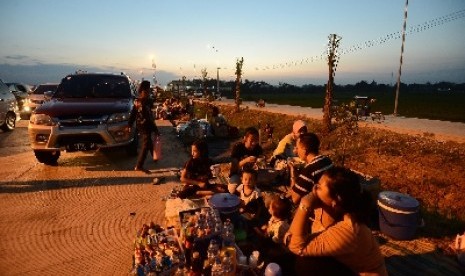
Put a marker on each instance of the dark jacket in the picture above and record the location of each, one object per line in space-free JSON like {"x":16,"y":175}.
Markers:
{"x":143,"y":117}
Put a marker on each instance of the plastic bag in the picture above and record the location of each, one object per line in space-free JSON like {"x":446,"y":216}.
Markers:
{"x":156,"y":154}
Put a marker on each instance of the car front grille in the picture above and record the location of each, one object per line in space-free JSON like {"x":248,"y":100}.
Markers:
{"x":80,"y":122}
{"x":71,"y":139}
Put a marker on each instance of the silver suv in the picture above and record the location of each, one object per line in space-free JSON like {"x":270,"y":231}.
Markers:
{"x":9,"y":112}
{"x":86,"y":112}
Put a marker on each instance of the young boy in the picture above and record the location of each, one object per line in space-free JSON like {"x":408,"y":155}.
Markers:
{"x":248,"y":193}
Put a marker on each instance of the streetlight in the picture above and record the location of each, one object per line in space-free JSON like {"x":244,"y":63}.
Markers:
{"x":217,"y":81}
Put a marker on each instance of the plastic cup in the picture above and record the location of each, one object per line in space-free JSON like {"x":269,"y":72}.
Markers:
{"x":273,"y":269}
{"x":216,"y":170}
{"x":243,"y":260}
{"x":232,"y":188}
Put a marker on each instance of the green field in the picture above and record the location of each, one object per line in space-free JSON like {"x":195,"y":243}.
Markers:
{"x":447,"y":106}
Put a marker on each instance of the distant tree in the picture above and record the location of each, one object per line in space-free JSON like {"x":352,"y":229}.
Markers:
{"x":333,"y":59}
{"x":239,"y":63}
{"x":204,"y":80}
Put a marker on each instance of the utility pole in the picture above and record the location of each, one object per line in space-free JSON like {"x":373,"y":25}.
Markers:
{"x":401,"y":57}
{"x":217,"y":80}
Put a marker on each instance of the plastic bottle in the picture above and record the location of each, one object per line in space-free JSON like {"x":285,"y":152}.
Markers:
{"x":179,"y":271}
{"x":253,"y":259}
{"x":229,"y":268}
{"x":228,"y":239}
{"x":196,"y":265}
{"x":228,"y":233}
{"x":217,"y":268}
{"x":212,"y":251}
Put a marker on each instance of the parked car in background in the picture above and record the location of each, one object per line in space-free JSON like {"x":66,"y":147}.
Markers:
{"x":21,"y":92}
{"x":88,"y":111}
{"x":198,"y":93}
{"x":36,"y":98}
{"x":9,"y":113}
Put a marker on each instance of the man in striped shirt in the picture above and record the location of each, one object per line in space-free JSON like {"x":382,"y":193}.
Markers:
{"x":302,"y":181}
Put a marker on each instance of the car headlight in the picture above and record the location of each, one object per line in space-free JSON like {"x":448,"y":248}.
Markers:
{"x":118,"y":118}
{"x":41,"y":119}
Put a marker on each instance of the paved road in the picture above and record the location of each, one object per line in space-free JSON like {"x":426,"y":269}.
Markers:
{"x":441,"y":130}
{"x":74,"y":218}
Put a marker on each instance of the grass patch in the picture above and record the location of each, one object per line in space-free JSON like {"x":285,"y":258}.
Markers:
{"x":428,"y":170}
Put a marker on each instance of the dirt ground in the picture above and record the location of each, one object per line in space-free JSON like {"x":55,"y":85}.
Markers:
{"x":80,"y":217}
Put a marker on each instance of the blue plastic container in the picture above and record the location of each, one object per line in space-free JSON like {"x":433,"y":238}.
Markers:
{"x":398,"y":215}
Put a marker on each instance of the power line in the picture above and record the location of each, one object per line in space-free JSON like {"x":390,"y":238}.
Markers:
{"x":371,"y":43}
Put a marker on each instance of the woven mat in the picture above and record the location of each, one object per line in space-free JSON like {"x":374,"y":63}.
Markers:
{"x":417,"y":257}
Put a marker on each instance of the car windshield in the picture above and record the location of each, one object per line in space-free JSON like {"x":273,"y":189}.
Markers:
{"x":41,"y":89}
{"x":93,"y":86}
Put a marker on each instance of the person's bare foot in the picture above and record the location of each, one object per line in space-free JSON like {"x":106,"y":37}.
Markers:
{"x":142,"y":170}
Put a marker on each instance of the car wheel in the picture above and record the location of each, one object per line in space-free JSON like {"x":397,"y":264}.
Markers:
{"x":10,"y":122}
{"x":47,"y":157}
{"x":131,"y":149}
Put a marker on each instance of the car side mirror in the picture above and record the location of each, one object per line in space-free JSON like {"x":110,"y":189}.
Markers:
{"x":48,"y":95}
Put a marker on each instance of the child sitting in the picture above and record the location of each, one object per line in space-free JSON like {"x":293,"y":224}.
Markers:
{"x":196,"y":173}
{"x":277,"y":226}
{"x":275,"y":230}
{"x":248,"y":193}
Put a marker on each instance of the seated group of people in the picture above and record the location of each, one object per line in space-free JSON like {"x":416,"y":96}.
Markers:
{"x":172,"y":108}
{"x":321,"y":222}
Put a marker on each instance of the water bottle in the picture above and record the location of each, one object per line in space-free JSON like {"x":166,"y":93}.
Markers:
{"x":228,"y":238}
{"x":228,"y":233}
{"x":217,"y":268}
{"x":196,"y":265}
{"x":212,"y":251}
{"x":228,"y":225}
{"x":179,"y":271}
{"x":253,"y":259}
{"x":228,"y":265}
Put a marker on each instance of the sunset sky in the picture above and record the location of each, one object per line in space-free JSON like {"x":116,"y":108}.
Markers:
{"x":281,"y":41}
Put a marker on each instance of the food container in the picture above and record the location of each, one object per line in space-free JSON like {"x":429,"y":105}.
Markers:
{"x":398,"y":215}
{"x":226,"y":203}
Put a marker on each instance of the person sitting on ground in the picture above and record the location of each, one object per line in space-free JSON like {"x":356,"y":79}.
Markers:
{"x":252,"y":208}
{"x":285,"y":148}
{"x":244,"y":154}
{"x":345,"y":248}
{"x":270,"y":236}
{"x":249,"y":193}
{"x":218,"y":123}
{"x":302,"y":180}
{"x":278,"y":224}
{"x":196,"y":172}
{"x":269,"y":132}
